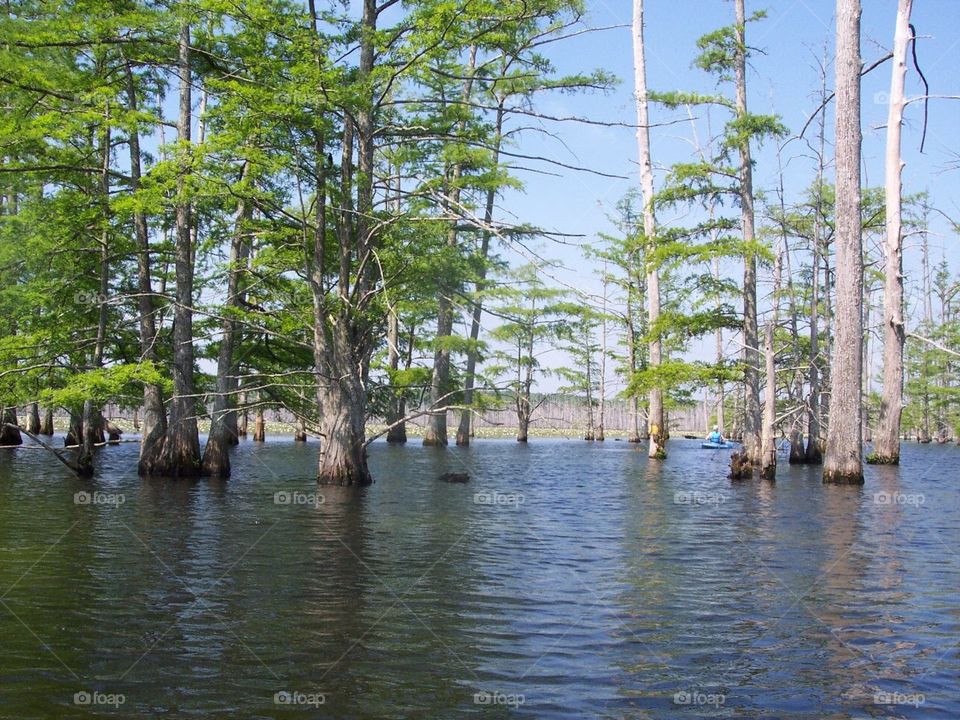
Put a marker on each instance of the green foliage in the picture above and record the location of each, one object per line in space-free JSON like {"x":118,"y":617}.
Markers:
{"x":121,"y":384}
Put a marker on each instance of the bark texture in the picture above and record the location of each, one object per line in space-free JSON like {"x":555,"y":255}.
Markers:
{"x":751,"y":353}
{"x":46,"y":427}
{"x":33,"y":419}
{"x":223,"y":423}
{"x":180,"y":455}
{"x":9,"y":433}
{"x":655,"y":420}
{"x":154,"y":426}
{"x":887,"y":446}
{"x":843,"y":462}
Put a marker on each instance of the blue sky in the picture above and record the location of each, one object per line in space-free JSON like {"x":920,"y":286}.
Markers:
{"x":784,"y":78}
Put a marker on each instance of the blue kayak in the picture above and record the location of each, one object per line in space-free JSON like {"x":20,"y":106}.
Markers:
{"x":706,"y":445}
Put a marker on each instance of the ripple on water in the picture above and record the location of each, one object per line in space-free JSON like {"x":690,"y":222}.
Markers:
{"x":564,"y":580}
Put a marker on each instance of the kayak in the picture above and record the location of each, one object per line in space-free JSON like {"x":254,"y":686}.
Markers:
{"x":716,"y":446}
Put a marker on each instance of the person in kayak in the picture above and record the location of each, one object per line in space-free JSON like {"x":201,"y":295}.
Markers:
{"x":715,"y":436}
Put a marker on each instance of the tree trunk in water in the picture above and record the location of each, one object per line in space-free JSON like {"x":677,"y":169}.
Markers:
{"x":259,"y":429}
{"x":843,"y":463}
{"x":435,"y":431}
{"x":46,"y":427}
{"x":180,"y":455}
{"x":223,"y":423}
{"x":814,"y":450}
{"x":398,"y":433}
{"x":718,"y":338}
{"x":590,"y":434}
{"x":33,"y":419}
{"x":768,"y":442}
{"x":154,"y":414}
{"x":524,"y":386}
{"x":751,"y":354}
{"x":466,"y":415}
{"x":10,"y":435}
{"x":655,"y":420}
{"x":74,"y":434}
{"x":300,"y":434}
{"x":638,"y":430}
{"x":88,"y":437}
{"x":397,"y":407}
{"x":601,"y":404}
{"x":341,"y":348}
{"x":887,"y":446}
{"x":341,"y":401}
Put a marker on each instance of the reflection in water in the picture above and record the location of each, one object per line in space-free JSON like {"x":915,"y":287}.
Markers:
{"x":565,"y":580}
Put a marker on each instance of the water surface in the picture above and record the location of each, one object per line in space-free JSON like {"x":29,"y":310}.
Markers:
{"x":565,"y":580}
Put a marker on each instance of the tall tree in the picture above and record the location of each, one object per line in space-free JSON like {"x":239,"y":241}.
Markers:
{"x":223,"y":422}
{"x":887,"y":446}
{"x":843,"y":463}
{"x":154,"y":414}
{"x":180,"y":456}
{"x":751,"y":354}
{"x":655,"y":419}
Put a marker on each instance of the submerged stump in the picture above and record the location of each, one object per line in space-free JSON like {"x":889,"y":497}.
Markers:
{"x":740,"y":466}
{"x":454,"y":477}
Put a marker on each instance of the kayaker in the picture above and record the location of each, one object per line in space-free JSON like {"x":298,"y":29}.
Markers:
{"x":715,"y":436}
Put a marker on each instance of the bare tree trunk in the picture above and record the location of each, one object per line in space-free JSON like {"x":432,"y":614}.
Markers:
{"x":223,"y":422}
{"x":721,"y":393}
{"x":814,"y":450}
{"x":33,"y":419}
{"x":887,"y":446}
{"x":866,"y":433}
{"x":180,"y":456}
{"x":768,"y":443}
{"x":9,"y":433}
{"x":601,"y":409}
{"x":632,"y":352}
{"x":751,"y":354}
{"x":398,"y":405}
{"x":259,"y":426}
{"x":46,"y":427}
{"x":154,"y":414}
{"x":843,"y":463}
{"x":244,"y":423}
{"x":655,"y":419}
{"x":590,"y":435}
{"x":74,"y":435}
{"x":797,"y":454}
{"x":300,"y":433}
